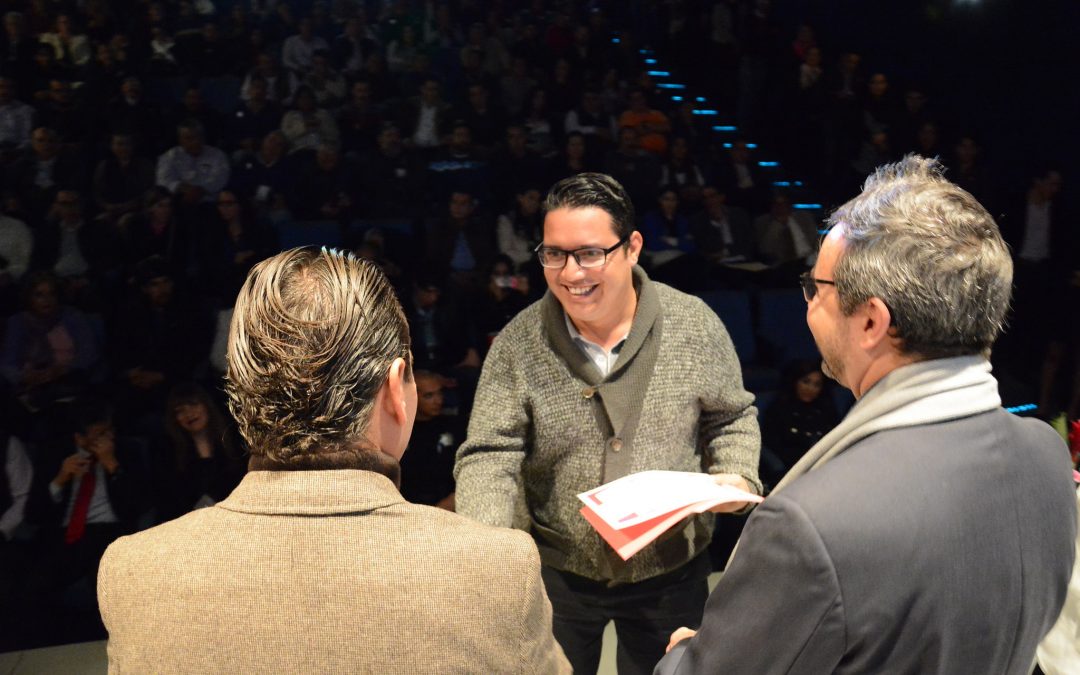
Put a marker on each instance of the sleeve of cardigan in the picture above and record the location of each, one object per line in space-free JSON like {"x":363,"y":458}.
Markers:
{"x":728,"y":427}
{"x":488,"y":468}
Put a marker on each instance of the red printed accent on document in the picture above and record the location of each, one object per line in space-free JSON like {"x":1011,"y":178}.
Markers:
{"x":632,"y":511}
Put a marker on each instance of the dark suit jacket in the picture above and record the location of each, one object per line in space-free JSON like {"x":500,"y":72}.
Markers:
{"x":945,"y":548}
{"x":710,"y":241}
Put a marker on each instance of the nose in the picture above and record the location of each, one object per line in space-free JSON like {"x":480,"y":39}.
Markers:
{"x":572,"y":270}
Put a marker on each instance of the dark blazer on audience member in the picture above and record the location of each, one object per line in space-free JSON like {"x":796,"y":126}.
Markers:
{"x":326,"y":572}
{"x":915,"y":551}
{"x":710,"y":240}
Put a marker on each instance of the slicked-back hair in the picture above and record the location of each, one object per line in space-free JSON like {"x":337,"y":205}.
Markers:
{"x":931,"y":253}
{"x":594,"y":189}
{"x":312,"y":338}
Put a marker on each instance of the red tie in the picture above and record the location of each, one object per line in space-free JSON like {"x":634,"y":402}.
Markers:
{"x":77,"y":525}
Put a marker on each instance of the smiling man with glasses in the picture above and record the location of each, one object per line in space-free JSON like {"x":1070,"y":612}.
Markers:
{"x":609,"y":374}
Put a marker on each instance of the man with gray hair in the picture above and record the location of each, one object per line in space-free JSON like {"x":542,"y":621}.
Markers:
{"x":316,"y":563}
{"x":931,"y":531}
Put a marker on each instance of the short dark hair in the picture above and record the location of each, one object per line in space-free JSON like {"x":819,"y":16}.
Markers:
{"x":594,"y":189}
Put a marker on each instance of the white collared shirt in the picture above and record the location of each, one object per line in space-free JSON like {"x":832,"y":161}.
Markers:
{"x":603,"y":359}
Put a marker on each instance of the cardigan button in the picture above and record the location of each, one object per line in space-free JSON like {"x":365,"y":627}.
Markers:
{"x":588,"y":392}
{"x":615,"y":444}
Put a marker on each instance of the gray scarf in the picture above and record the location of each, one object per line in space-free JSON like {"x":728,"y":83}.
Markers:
{"x":919,"y":393}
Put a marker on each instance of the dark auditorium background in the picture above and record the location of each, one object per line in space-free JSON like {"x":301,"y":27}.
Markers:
{"x":153,"y":151}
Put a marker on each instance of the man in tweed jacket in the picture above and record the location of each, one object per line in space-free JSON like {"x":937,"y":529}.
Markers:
{"x":315,"y":563}
{"x":609,"y":374}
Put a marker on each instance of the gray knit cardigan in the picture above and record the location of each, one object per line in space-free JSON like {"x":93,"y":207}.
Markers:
{"x":547,"y":425}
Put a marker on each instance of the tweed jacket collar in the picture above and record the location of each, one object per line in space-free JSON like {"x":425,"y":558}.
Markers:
{"x":648,"y":311}
{"x":310,"y":493}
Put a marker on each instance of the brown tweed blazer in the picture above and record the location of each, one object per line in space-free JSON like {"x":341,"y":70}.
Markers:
{"x":325,"y":572}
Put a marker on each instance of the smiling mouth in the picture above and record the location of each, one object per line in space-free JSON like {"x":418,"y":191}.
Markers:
{"x":581,"y":291}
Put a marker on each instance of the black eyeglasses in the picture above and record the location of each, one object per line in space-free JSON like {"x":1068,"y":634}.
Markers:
{"x":809,"y":285}
{"x":588,"y":257}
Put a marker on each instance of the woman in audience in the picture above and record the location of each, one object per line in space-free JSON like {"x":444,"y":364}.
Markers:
{"x":801,"y":414}
{"x":521,"y":229}
{"x":203,"y":462}
{"x":155,"y":230}
{"x":242,"y":242}
{"x":574,"y":158}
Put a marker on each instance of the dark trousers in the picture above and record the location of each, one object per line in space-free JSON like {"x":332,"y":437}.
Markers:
{"x":645,"y":615}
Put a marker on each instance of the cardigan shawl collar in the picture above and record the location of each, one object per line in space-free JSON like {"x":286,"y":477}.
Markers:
{"x":312,"y":493}
{"x":621,"y":394}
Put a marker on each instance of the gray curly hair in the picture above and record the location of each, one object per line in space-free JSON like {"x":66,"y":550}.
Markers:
{"x":931,"y":253}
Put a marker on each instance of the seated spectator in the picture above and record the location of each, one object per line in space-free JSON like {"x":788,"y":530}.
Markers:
{"x":785,"y":235}
{"x":392,"y":177}
{"x":966,"y":169}
{"x":460,"y":167}
{"x":652,"y":126}
{"x":298,"y":51}
{"x":573,"y":159}
{"x":241,"y":242}
{"x":802,"y":412}
{"x":71,"y":49}
{"x":401,"y":53}
{"x":516,"y":86}
{"x":16,"y":118}
{"x":203,"y":459}
{"x":193,"y":106}
{"x":16,"y":247}
{"x":121,"y":179}
{"x":164,"y":60}
{"x":541,"y":129}
{"x":280,"y":83}
{"x":637,"y":170}
{"x":739,"y":177}
{"x":266,"y":174}
{"x":50,"y":350}
{"x":17,"y":48}
{"x":324,"y":187}
{"x":133,"y":115}
{"x":352,"y":47}
{"x":595,"y":125}
{"x":308,"y":126}
{"x":38,"y":173}
{"x":207,"y":53}
{"x":254,"y":118}
{"x":721,"y":232}
{"x":564,"y":90}
{"x":427,"y":467}
{"x":505,"y":294}
{"x":359,"y":121}
{"x":62,"y":113}
{"x":158,"y":340}
{"x":327,"y":84}
{"x":516,"y":164}
{"x":424,"y":119}
{"x":460,"y":245}
{"x":665,"y":230}
{"x":82,"y":253}
{"x":383,"y":85}
{"x":90,"y":491}
{"x":16,"y":478}
{"x":154,"y":230}
{"x":43,"y":70}
{"x":484,"y":118}
{"x":521,"y":230}
{"x":682,"y":172}
{"x":192,"y":170}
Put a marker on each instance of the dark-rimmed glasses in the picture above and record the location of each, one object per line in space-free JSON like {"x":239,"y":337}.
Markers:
{"x":809,"y":285}
{"x":588,"y":257}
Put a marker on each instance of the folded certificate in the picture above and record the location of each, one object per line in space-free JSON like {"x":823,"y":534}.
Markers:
{"x":634,"y":510}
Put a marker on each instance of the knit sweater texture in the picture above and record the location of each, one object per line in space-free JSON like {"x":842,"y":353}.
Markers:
{"x":546,"y":426}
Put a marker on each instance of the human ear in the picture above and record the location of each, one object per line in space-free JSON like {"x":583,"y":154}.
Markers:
{"x":876,"y":324}
{"x":395,"y":401}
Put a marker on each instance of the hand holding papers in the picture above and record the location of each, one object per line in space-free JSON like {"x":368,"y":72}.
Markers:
{"x":632,"y":511}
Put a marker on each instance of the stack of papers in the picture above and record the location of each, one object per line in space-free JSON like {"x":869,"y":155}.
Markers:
{"x":632,"y":511}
